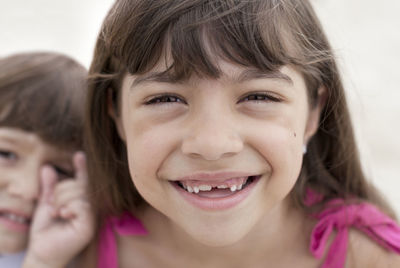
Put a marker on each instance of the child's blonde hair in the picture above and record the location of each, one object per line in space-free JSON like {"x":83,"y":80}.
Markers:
{"x":193,"y":35}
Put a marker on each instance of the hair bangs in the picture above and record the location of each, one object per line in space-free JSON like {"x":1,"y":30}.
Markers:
{"x":44,"y":93}
{"x":192,"y":39}
{"x":54,"y":120}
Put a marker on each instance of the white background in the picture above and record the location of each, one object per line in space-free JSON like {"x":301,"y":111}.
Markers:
{"x":364,"y":33}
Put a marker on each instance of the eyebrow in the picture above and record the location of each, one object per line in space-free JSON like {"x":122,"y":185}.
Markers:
{"x":251,"y":74}
{"x":15,"y":140}
{"x":9,"y":139}
{"x":161,"y":77}
{"x":246,"y":75}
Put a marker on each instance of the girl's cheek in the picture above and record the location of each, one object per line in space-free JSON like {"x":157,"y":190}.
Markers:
{"x":149,"y":146}
{"x":279,"y":145}
{"x":282,"y":153}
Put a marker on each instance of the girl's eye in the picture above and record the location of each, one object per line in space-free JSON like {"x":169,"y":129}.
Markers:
{"x":7,"y":155}
{"x":165,"y":99}
{"x":260,"y":97}
{"x":63,"y":173}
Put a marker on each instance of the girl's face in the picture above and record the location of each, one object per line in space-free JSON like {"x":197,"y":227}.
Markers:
{"x":22,"y":154}
{"x":216,"y":156}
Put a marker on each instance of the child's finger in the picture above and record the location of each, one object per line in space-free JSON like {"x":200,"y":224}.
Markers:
{"x":69,"y":186}
{"x":67,"y":197}
{"x":67,"y":212}
{"x":79,"y":161}
{"x":48,"y":179}
{"x":44,"y":210}
{"x":78,"y":210}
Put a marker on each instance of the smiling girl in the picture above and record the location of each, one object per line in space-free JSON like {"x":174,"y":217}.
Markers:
{"x":44,"y":212}
{"x":219,"y":136}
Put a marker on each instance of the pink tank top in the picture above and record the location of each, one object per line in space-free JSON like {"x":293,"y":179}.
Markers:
{"x":107,"y":250}
{"x":336,"y":216}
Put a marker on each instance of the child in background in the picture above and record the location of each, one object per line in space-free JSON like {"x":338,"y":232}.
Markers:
{"x":43,"y":206}
{"x":219,"y":136}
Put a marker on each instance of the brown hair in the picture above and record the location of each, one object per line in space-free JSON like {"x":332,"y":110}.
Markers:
{"x":260,"y":34}
{"x":44,"y":93}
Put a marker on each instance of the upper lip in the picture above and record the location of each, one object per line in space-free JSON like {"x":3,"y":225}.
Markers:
{"x":215,"y":176}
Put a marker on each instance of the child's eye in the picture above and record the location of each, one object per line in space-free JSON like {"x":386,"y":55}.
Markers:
{"x":165,"y":99}
{"x":260,"y":97}
{"x":7,"y":155}
{"x":63,"y":173}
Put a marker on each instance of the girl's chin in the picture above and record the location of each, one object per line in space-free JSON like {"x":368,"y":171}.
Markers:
{"x":9,"y":248}
{"x":219,"y":237}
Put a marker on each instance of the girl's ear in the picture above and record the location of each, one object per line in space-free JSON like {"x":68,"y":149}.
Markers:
{"x":315,"y":114}
{"x":113,"y":112}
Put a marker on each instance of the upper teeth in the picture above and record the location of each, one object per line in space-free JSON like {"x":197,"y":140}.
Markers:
{"x":203,"y":187}
{"x":15,"y":218}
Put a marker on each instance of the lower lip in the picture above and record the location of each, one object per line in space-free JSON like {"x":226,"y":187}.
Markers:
{"x":14,"y":226}
{"x":217,"y":203}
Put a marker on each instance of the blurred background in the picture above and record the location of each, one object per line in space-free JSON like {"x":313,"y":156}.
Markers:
{"x":364,"y":34}
{"x":366,"y":38}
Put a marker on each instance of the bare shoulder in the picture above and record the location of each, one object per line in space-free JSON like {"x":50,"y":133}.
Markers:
{"x":366,"y":253}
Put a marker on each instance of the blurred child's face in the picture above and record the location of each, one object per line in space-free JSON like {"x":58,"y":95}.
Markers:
{"x":22,"y":154}
{"x":217,"y":156}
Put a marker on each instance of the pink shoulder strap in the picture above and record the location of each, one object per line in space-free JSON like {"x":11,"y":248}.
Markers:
{"x":107,"y":250}
{"x":337,"y":216}
{"x":340,"y":216}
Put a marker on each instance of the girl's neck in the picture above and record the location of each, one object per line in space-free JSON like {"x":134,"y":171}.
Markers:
{"x":283,"y":229}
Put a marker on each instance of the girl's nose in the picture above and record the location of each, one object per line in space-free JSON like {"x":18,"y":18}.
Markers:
{"x":211,"y":138}
{"x":25,"y":183}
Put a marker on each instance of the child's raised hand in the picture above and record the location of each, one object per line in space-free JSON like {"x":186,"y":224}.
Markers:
{"x":63,"y":223}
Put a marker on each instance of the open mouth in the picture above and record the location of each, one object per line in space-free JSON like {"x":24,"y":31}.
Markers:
{"x":14,"y":221}
{"x":217,"y":190}
{"x":15,"y":218}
